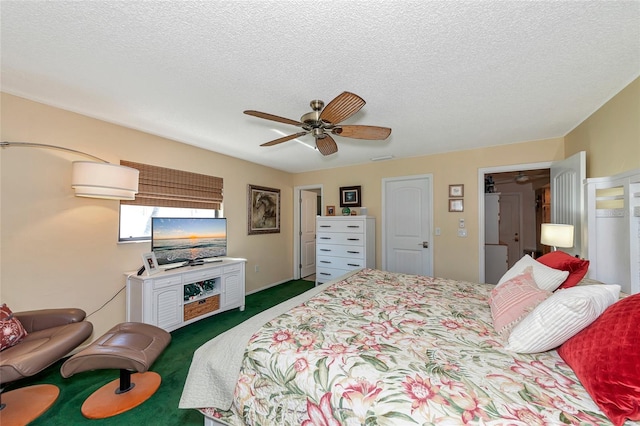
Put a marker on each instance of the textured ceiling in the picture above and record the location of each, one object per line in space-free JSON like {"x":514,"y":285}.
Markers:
{"x":444,"y":76}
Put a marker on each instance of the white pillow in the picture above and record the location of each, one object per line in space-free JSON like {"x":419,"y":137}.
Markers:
{"x":561,"y":317}
{"x":546,"y":278}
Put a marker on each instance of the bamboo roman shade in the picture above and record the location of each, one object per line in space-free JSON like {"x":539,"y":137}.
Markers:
{"x":164,"y":187}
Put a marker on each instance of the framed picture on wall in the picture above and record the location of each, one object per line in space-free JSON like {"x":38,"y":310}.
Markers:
{"x":456,"y":205}
{"x":456,"y":190}
{"x":263,"y":210}
{"x":350,"y":196}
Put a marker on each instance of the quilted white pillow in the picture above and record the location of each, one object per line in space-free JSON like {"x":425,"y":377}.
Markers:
{"x":546,"y":278}
{"x":560,"y":317}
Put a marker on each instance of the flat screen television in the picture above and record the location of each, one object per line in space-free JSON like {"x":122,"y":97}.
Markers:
{"x":188,"y":240}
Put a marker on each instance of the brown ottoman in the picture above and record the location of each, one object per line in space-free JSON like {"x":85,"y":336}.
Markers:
{"x":130,"y":347}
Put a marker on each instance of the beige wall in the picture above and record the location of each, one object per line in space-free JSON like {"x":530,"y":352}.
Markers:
{"x":454,"y":257}
{"x":611,"y":135}
{"x":58,"y":250}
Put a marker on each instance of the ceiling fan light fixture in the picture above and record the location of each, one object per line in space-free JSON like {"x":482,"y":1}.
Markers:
{"x":324,"y":120}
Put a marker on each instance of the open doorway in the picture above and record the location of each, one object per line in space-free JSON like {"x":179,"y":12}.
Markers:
{"x":511,"y":206}
{"x":307,"y":202}
{"x":524,"y":203}
{"x":565,"y":201}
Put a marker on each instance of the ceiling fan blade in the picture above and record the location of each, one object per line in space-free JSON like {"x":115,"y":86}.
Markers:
{"x":342,"y":107}
{"x":326,"y":145}
{"x":284,"y":139}
{"x":273,"y":117}
{"x":362,"y":132}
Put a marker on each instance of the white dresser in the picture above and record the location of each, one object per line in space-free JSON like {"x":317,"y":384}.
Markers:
{"x":174,"y":298}
{"x":344,"y":243}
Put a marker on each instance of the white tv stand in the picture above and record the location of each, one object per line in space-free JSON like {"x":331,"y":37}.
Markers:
{"x":174,"y":298}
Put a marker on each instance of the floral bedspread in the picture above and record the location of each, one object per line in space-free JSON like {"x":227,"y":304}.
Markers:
{"x":380,"y":348}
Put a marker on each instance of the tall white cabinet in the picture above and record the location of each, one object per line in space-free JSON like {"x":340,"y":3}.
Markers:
{"x":495,"y":254}
{"x":344,"y":243}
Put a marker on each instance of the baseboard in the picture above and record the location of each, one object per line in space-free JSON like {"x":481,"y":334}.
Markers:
{"x":269,"y":286}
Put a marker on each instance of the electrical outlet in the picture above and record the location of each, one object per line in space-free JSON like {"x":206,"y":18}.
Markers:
{"x":460,"y":223}
{"x":257,"y":268}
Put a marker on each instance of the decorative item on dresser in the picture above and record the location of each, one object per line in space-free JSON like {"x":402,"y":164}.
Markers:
{"x":150,"y":263}
{"x":344,"y":243}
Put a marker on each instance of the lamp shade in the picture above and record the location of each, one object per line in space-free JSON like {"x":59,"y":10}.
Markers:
{"x":104,"y":180}
{"x":556,"y":235}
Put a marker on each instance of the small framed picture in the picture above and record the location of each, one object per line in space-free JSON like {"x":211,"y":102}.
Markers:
{"x":350,"y":196}
{"x":456,"y":205}
{"x":456,"y":190}
{"x":331,"y":210}
{"x":150,"y":263}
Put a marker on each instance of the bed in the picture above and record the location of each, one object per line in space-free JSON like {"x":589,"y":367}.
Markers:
{"x":381,"y":348}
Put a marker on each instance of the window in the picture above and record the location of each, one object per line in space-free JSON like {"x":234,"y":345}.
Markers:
{"x":135,"y":221}
{"x":166,"y":192}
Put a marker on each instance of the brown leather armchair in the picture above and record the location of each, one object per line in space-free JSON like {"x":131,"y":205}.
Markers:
{"x":51,"y":335}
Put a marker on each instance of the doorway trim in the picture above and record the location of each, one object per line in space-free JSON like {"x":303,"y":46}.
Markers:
{"x":296,"y":223}
{"x":486,"y":171}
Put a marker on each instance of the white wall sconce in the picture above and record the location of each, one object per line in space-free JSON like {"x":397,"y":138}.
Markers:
{"x":94,"y":179}
{"x":556,"y":235}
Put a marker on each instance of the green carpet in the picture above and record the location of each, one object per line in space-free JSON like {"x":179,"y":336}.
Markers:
{"x":173,"y":365}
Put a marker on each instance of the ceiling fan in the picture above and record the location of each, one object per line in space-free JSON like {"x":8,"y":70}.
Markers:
{"x":323,"y":122}
{"x":521,"y":177}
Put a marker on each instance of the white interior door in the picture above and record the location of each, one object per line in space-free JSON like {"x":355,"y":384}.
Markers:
{"x":567,"y":197}
{"x":308,"y":212}
{"x":406,"y":225}
{"x":510,"y":224}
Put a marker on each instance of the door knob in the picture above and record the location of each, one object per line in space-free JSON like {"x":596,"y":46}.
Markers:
{"x":424,"y":244}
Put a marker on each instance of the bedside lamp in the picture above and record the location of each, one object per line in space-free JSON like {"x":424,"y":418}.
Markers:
{"x":556,"y":235}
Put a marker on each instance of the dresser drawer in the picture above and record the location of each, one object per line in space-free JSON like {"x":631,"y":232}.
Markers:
{"x":340,"y":262}
{"x":353,"y":226}
{"x":199,"y":274}
{"x":166,"y":282}
{"x":201,"y":307}
{"x":356,"y":252}
{"x":340,"y":238}
{"x":327,"y":274}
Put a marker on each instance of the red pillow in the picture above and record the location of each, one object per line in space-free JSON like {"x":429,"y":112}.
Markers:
{"x":11,"y":330}
{"x":576,"y":267}
{"x":606,"y":359}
